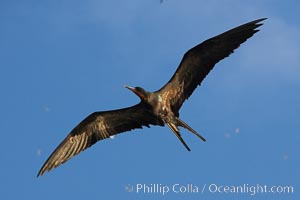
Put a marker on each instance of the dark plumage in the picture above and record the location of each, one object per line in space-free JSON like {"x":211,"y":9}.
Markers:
{"x":156,"y":108}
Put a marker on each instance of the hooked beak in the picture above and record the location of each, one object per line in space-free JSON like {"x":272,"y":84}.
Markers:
{"x":135,"y":91}
{"x":130,"y":88}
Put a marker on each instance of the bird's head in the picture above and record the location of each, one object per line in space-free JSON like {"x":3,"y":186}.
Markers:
{"x":140,"y":92}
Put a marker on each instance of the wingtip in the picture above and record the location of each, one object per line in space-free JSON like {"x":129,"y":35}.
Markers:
{"x":261,"y":19}
{"x":253,"y":25}
{"x":257,"y":22}
{"x":40,"y":173}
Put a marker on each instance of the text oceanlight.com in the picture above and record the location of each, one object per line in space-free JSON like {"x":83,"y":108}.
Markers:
{"x":250,"y":189}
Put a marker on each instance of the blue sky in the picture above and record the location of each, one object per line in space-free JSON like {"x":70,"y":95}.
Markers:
{"x":62,"y":60}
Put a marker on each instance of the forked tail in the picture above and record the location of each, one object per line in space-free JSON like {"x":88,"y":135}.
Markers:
{"x":175,"y":130}
{"x":184,"y":125}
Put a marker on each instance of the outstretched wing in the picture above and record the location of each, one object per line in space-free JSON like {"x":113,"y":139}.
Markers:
{"x":198,"y":61}
{"x":99,"y":126}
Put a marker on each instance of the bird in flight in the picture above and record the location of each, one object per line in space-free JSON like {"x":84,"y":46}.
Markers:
{"x":155,"y":108}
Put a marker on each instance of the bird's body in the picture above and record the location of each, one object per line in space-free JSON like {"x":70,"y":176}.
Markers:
{"x":156,"y":108}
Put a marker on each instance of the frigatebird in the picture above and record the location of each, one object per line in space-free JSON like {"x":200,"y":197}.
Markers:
{"x":155,"y":108}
